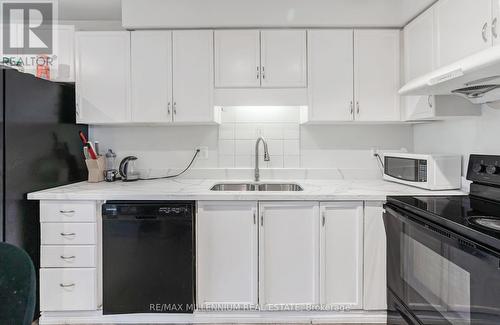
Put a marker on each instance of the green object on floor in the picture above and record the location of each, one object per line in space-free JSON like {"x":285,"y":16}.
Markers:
{"x":17,"y":286}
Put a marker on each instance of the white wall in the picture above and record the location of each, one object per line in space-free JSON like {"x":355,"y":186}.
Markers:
{"x":265,"y":13}
{"x":231,"y":145}
{"x":464,"y":136}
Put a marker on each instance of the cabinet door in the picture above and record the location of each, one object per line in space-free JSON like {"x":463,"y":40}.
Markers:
{"x":420,"y":46}
{"x":237,"y":58}
{"x":376,"y":75}
{"x":193,"y":71}
{"x":375,"y":261}
{"x":289,"y":253}
{"x":342,"y":254}
{"x":151,"y":76}
{"x":227,"y":250}
{"x":330,"y":70}
{"x":463,"y":28}
{"x":103,"y":77}
{"x":419,"y":107}
{"x":283,"y":55}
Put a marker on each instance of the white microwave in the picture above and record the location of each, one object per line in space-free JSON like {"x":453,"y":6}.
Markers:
{"x":428,"y":171}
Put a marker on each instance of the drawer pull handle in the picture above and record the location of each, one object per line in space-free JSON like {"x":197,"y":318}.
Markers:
{"x":66,"y":211}
{"x":66,"y":234}
{"x":67,"y":257}
{"x":62,"y":285}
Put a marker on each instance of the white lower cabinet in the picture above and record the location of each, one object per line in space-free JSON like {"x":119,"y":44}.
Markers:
{"x":226,"y":253}
{"x":68,"y":289}
{"x":289,"y":253}
{"x":375,"y":279}
{"x":341,"y":254}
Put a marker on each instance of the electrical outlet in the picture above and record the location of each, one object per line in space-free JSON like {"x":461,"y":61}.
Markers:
{"x":203,"y":152}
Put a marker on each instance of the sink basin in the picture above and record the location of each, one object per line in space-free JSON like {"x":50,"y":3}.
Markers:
{"x":261,"y":187}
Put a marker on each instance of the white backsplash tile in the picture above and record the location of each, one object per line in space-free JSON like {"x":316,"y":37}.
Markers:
{"x":290,"y":161}
{"x":291,"y":147}
{"x":226,"y":131}
{"x":226,"y":147}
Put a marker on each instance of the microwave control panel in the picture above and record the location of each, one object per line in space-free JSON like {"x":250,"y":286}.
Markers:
{"x":422,"y":171}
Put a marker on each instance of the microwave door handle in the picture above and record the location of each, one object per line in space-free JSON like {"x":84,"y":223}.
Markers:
{"x":449,"y":237}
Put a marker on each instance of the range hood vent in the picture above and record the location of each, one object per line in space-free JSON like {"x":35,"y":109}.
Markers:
{"x":475,"y":92}
{"x":476,"y":78}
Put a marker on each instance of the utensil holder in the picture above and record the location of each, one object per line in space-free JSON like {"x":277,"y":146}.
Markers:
{"x":96,"y":169}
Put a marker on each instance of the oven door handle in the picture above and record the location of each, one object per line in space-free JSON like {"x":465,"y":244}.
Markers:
{"x":445,"y":235}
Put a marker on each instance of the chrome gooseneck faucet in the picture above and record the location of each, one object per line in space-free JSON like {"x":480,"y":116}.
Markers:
{"x":266,"y":156}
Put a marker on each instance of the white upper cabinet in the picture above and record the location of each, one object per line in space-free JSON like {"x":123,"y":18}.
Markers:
{"x":237,"y":58}
{"x":283,"y":58}
{"x":463,"y":28}
{"x":331,"y":79}
{"x":193,"y":76}
{"x":226,"y":253}
{"x":151,"y":76}
{"x":341,"y":247}
{"x":172,"y":76}
{"x":252,"y":58}
{"x":103,"y":77}
{"x":420,"y":45}
{"x":377,"y":75}
{"x":289,"y":253}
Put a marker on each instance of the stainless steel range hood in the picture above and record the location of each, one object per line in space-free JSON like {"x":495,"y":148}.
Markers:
{"x":476,"y":78}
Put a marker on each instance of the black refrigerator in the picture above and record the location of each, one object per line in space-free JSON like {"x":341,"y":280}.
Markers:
{"x":40,"y":148}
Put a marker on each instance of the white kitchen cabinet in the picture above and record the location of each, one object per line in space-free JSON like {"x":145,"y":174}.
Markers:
{"x":377,"y":75}
{"x":330,"y":71}
{"x":167,"y":69}
{"x":68,"y":289}
{"x":289,"y":253}
{"x":227,"y":253}
{"x":375,"y":279}
{"x":341,"y":254}
{"x":193,"y":76}
{"x":420,"y":45}
{"x":151,"y":55}
{"x":438,"y":107}
{"x":463,"y":28}
{"x":103,"y":77}
{"x":268,"y":59}
{"x":237,"y":58}
{"x":283,"y":58}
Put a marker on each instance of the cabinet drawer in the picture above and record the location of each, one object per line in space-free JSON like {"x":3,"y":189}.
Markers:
{"x":67,"y":211}
{"x":68,"y":289}
{"x":68,"y":256}
{"x":68,"y":233}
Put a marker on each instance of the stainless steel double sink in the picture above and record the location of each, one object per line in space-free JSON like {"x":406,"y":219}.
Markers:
{"x":257,"y":187}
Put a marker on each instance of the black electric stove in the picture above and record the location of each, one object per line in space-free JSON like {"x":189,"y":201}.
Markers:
{"x":443,"y":253}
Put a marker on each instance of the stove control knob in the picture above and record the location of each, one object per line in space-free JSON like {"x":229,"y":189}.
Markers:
{"x":491,"y":169}
{"x":478,"y":168}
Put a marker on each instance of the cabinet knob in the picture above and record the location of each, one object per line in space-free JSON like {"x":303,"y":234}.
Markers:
{"x":68,"y":234}
{"x":175,"y":108}
{"x":429,"y":100}
{"x":168,"y":108}
{"x":352,"y":108}
{"x":263,"y":73}
{"x":66,"y":211}
{"x":357,"y":107}
{"x":67,"y":257}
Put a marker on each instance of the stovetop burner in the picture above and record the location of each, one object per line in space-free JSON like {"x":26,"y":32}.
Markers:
{"x":486,"y":222}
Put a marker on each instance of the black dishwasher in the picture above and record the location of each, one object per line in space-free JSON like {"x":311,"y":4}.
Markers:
{"x":148,"y":257}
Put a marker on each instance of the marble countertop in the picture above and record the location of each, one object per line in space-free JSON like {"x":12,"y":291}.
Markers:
{"x":199,"y":189}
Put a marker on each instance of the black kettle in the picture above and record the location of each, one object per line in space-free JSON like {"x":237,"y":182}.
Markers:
{"x":128,"y":170}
